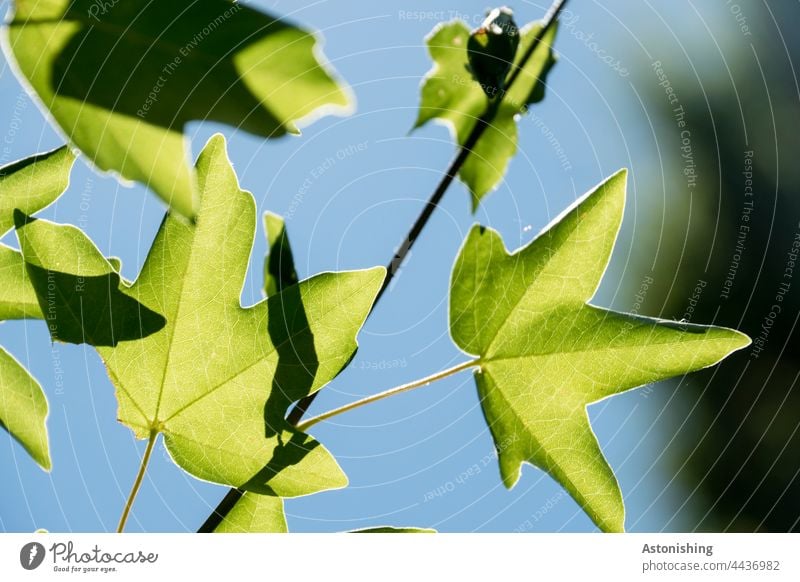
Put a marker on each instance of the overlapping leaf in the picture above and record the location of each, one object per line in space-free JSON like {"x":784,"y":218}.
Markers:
{"x":545,"y":353}
{"x":449,"y":94}
{"x":85,"y":300}
{"x":121,"y":79}
{"x":279,"y":271}
{"x":254,"y":513}
{"x":30,"y":184}
{"x":217,"y":380}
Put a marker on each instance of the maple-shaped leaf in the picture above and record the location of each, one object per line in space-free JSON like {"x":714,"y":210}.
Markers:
{"x":250,"y":512}
{"x":84,"y":300}
{"x":451,"y":95}
{"x":30,"y":184}
{"x":545,"y":353}
{"x":79,"y":304}
{"x":121,"y":79}
{"x":217,"y":380}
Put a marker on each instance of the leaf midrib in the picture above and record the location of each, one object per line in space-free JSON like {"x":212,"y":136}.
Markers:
{"x":488,"y":359}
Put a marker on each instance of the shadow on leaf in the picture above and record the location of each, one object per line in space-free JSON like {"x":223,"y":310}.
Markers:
{"x":167,"y":62}
{"x":92,"y":309}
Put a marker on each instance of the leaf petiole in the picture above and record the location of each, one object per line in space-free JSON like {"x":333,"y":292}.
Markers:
{"x":138,"y":481}
{"x":302,"y":426}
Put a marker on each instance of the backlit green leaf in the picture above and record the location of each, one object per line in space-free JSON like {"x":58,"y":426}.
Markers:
{"x":451,"y":95}
{"x":252,"y":512}
{"x":79,"y":291}
{"x":122,"y":79}
{"x":23,"y":409}
{"x":30,"y":184}
{"x":218,"y":379}
{"x":545,"y":353}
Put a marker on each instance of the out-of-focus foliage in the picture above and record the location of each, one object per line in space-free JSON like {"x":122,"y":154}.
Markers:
{"x":728,"y":257}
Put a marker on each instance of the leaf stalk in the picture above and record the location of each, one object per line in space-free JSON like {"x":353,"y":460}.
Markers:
{"x":305,"y":425}
{"x":137,"y":483}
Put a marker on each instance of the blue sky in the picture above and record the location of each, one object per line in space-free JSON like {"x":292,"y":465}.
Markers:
{"x":351,"y":213}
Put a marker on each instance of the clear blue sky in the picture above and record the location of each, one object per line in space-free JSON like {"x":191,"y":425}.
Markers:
{"x":353,"y":216}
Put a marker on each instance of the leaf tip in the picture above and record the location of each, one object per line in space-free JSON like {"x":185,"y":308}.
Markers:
{"x":216,"y":141}
{"x":618,"y":181}
{"x":45,"y":463}
{"x":273,"y":224}
{"x":743,"y":340}
{"x":377,"y":276}
{"x":738,"y":340}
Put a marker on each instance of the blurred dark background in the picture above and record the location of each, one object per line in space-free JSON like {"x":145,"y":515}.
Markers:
{"x":724,"y":254}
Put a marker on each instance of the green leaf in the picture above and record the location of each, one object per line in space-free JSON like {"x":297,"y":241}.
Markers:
{"x":254,"y":513}
{"x":545,"y":353}
{"x":79,"y":290}
{"x":451,"y":95}
{"x":122,"y":79}
{"x":30,"y":184}
{"x":390,"y":529}
{"x":17,"y":298}
{"x":218,"y":379}
{"x":279,"y":271}
{"x":23,"y":409}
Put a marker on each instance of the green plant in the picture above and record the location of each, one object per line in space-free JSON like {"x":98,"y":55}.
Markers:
{"x":217,"y":379}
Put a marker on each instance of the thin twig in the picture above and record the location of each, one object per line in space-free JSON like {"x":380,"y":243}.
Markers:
{"x":305,"y":425}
